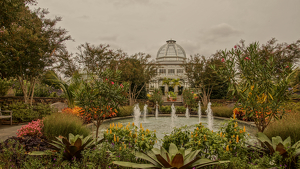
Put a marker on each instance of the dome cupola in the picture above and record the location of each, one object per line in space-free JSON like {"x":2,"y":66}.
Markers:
{"x":170,"y":52}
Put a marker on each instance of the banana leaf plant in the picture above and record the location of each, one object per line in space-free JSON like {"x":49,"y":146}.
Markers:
{"x":181,"y":159}
{"x":277,"y":144}
{"x":72,"y":147}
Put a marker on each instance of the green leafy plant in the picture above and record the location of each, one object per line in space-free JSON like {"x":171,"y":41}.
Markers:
{"x":259,"y":76}
{"x":130,"y":135}
{"x":72,"y":147}
{"x":277,"y":144}
{"x":175,"y":158}
{"x":4,"y":86}
{"x":179,"y":136}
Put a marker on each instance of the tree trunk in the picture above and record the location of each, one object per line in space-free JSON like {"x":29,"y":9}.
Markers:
{"x":32,"y":85}
{"x":24,"y":89}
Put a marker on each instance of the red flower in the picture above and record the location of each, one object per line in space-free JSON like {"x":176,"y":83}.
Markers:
{"x":223,"y":60}
{"x":121,"y":85}
{"x":287,"y":67}
{"x":234,"y":46}
{"x":112,"y":83}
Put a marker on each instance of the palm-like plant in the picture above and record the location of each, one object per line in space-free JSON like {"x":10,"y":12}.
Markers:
{"x":181,"y":159}
{"x":69,"y":88}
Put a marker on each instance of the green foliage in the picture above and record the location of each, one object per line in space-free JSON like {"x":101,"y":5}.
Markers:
{"x":202,"y":77}
{"x":179,"y":136}
{"x":189,"y":98}
{"x":29,"y":37}
{"x":259,"y":76}
{"x":5,"y":85}
{"x":165,"y":109}
{"x":72,"y":147}
{"x":222,"y":111}
{"x":157,"y":97}
{"x":286,"y":127}
{"x":175,"y":158}
{"x":61,"y":124}
{"x":24,"y":113}
{"x":136,"y":70}
{"x":101,"y":96}
{"x":138,"y":139}
{"x":125,"y":111}
{"x":12,"y":153}
{"x":180,"y":109}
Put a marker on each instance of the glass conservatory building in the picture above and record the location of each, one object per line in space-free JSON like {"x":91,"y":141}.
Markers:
{"x":170,"y":58}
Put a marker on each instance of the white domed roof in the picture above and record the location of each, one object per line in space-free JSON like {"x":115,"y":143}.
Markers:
{"x":171,"y":49}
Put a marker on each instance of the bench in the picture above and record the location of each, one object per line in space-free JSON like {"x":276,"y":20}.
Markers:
{"x":5,"y":117}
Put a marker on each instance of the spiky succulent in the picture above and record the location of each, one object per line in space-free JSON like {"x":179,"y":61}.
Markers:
{"x":181,"y":159}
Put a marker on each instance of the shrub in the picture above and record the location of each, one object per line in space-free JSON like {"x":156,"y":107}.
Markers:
{"x":32,"y":129}
{"x":179,"y":136}
{"x":24,"y":113}
{"x":222,"y":111}
{"x":4,"y":86}
{"x":165,"y":109}
{"x":180,"y":109}
{"x":125,"y":111}
{"x":61,"y":124}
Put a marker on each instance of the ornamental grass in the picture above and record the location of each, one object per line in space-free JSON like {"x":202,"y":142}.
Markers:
{"x":289,"y":125}
{"x":61,"y":124}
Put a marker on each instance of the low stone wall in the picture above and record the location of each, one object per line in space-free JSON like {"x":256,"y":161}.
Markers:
{"x":47,"y":100}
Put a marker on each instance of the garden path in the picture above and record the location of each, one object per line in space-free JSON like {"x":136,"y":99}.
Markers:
{"x":7,"y":131}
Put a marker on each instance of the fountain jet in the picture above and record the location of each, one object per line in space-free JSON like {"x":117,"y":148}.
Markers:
{"x":145,"y":112}
{"x":156,"y":111}
{"x":173,"y":115}
{"x":210,"y":117}
{"x":136,"y":115}
{"x":199,"y":111}
{"x":187,"y":113}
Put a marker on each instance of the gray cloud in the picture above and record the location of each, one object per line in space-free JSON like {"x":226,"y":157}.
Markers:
{"x":108,"y":38}
{"x":220,"y":33}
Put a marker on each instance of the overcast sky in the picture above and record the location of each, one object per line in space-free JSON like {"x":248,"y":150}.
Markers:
{"x":199,"y":26}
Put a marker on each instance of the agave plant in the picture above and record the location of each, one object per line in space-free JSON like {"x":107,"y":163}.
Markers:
{"x":72,"y":147}
{"x":277,"y":144}
{"x":181,"y":159}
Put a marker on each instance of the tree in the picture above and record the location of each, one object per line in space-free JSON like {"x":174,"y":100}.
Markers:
{"x":100,"y":95}
{"x":95,"y":59}
{"x":202,"y":76}
{"x":28,"y":44}
{"x":259,"y":75}
{"x":167,"y":82}
{"x":136,"y":71}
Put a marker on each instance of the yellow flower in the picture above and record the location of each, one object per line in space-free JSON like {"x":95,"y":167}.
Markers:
{"x":221,"y":134}
{"x":132,"y":123}
{"x":212,"y":130}
{"x":227,"y":148}
{"x":205,"y":137}
{"x":244,"y":129}
{"x":135,"y":140}
{"x":124,"y":146}
{"x":230,"y":142}
{"x":107,"y":131}
{"x":155,"y":141}
{"x":110,"y":125}
{"x":197,"y":128}
{"x":237,"y":138}
{"x":233,"y":136}
{"x":192,"y":136}
{"x":252,"y":87}
{"x":154,"y":131}
{"x":115,"y":138}
{"x":196,"y":135}
{"x":120,"y":148}
{"x":113,"y":124}
{"x":241,"y":131}
{"x":141,"y":126}
{"x":128,"y":123}
{"x":199,"y":142}
{"x":118,"y":139}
